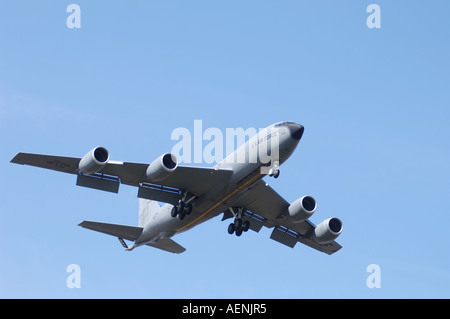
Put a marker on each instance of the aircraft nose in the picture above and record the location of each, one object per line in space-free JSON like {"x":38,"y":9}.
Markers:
{"x":296,"y":130}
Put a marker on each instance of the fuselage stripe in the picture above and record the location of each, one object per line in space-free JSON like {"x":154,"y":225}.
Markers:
{"x":220,"y":202}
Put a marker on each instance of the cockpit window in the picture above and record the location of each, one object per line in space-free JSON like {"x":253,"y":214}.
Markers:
{"x":284,"y":123}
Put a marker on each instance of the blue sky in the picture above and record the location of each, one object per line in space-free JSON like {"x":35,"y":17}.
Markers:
{"x":375,"y":152}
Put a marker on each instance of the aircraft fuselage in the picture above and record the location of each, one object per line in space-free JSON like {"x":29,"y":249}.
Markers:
{"x":259,"y":156}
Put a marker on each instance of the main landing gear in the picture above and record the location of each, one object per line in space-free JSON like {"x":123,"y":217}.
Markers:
{"x":239,"y":226}
{"x":183,"y":208}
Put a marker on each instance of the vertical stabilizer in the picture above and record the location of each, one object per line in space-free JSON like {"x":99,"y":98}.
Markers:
{"x":146,"y":209}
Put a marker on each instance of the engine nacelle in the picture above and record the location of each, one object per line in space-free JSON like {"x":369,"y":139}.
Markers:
{"x":328,"y":230}
{"x":162,"y":167}
{"x":94,"y":160}
{"x":301,"y":209}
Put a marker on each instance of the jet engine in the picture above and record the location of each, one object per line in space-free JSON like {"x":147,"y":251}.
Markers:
{"x":301,"y":209}
{"x":162,"y":167}
{"x":94,"y":160}
{"x":328,"y":230}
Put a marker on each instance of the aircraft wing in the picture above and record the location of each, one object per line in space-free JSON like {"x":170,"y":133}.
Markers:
{"x":266,"y":208}
{"x":196,"y":180}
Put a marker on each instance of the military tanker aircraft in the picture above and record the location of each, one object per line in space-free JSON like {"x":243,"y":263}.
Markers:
{"x":193,"y":195}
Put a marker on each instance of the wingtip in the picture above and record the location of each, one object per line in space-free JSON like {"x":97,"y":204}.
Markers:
{"x":82,"y":224}
{"x":16,"y":159}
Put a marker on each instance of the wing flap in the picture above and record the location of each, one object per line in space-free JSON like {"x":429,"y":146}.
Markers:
{"x":99,"y":182}
{"x":284,"y":237}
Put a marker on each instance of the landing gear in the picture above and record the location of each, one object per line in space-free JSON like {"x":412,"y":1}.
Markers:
{"x":274,"y":170}
{"x":276,"y":174}
{"x":181,"y":210}
{"x":239,"y":226}
{"x":231,"y":228}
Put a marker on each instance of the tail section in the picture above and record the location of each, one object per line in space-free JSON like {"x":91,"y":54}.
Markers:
{"x":146,"y":209}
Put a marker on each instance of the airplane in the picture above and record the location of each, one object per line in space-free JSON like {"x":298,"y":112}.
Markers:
{"x":193,"y":195}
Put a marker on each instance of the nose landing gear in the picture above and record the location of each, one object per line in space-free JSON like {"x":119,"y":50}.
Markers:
{"x":273,"y":170}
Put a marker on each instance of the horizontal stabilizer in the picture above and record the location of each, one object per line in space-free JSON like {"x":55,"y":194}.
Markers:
{"x":167,"y":244}
{"x":121,"y":231}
